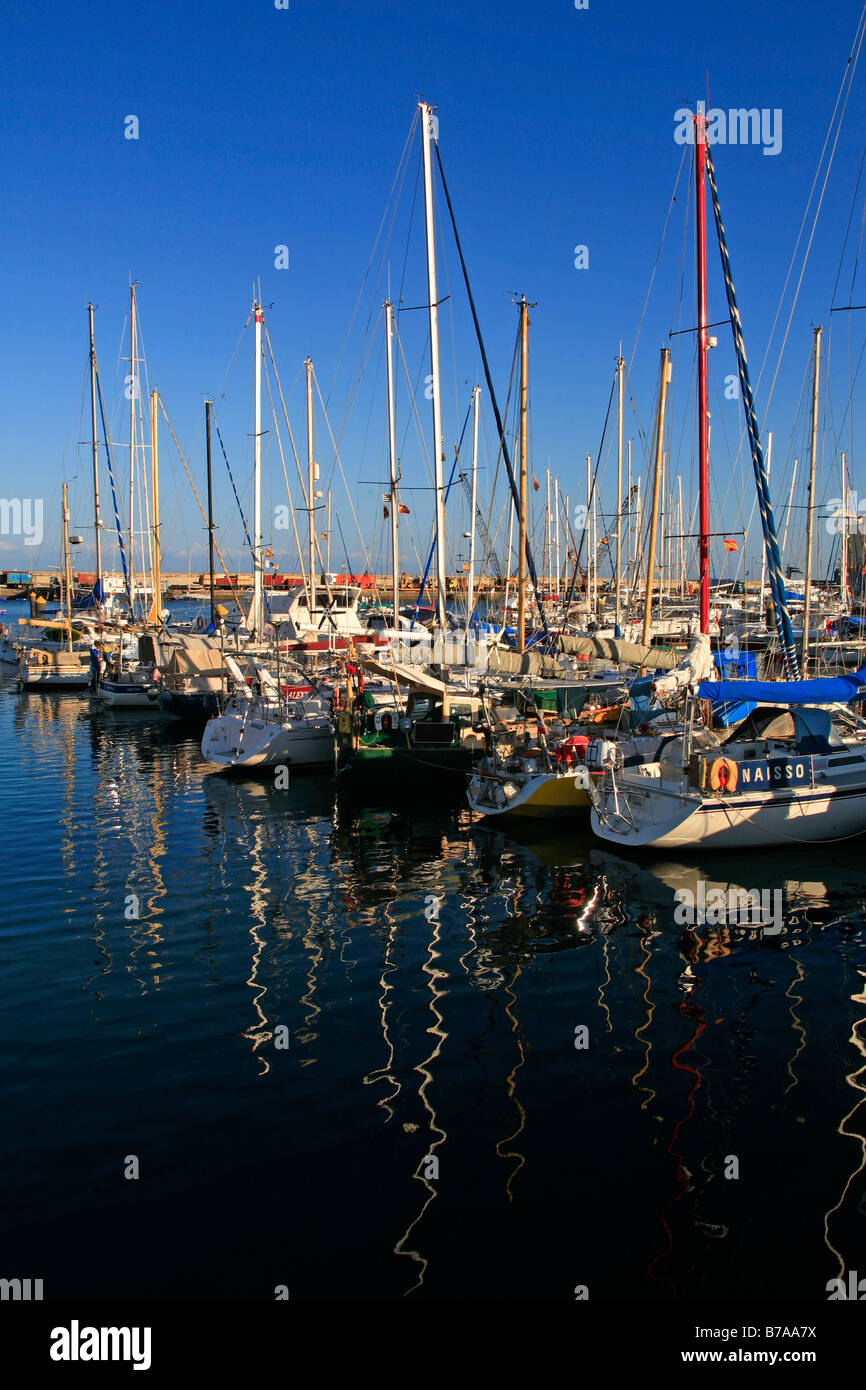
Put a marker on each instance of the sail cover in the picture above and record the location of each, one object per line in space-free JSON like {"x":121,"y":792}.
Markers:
{"x":826,"y":690}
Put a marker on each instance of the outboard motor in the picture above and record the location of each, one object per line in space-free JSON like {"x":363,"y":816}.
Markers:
{"x":601,"y":754}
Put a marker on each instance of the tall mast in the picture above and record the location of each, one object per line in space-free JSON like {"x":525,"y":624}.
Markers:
{"x":509,"y":557}
{"x":392,"y":457}
{"x":790,"y":505}
{"x":311,"y":484}
{"x":521,"y":534}
{"x":628,"y":516}
{"x":657,"y":477}
{"x":97,"y":522}
{"x":133,"y":392}
{"x":681,"y":546}
{"x":548,"y":546}
{"x":207,"y":411}
{"x":810,"y":502}
{"x":473,"y":502}
{"x":155,"y":614}
{"x":843,"y":559}
{"x":433,"y":299}
{"x":703,"y":344}
{"x":763,"y":547}
{"x":620,"y":372}
{"x":556,"y":532}
{"x":638,"y":519}
{"x":594,"y":552}
{"x":257,"y":612}
{"x":67,"y":573}
{"x":589,"y":533}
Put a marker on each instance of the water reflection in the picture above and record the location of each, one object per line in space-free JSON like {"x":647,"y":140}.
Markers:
{"x":432,"y":1106}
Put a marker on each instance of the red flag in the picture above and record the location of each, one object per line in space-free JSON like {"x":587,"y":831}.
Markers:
{"x":535,"y":483}
{"x":730,"y":544}
{"x":401,"y":507}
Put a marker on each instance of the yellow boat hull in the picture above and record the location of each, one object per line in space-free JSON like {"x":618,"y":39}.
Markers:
{"x":545,"y":794}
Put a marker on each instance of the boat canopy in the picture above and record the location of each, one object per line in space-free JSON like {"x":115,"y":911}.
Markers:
{"x":195,"y":662}
{"x":825,"y":690}
{"x":810,"y":729}
{"x":614,"y":649}
{"x":414,"y":677}
{"x":602,"y":648}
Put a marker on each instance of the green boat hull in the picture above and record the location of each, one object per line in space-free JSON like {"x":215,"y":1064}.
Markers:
{"x":388,"y":758}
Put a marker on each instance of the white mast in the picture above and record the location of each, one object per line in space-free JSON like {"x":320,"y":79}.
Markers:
{"x":790,"y":504}
{"x":67,"y":571}
{"x":470,"y":598}
{"x":257,"y":612}
{"x":763,"y":547}
{"x":133,"y":392}
{"x":548,"y":547}
{"x":843,"y":562}
{"x":392,"y":457}
{"x":628,"y":522}
{"x":556,"y":533}
{"x":620,"y":373}
{"x":508,"y":567}
{"x":589,"y":533}
{"x":312,"y":470}
{"x":681,"y":548}
{"x":98,"y":523}
{"x":810,"y":510}
{"x":427,"y":133}
{"x":155,"y":614}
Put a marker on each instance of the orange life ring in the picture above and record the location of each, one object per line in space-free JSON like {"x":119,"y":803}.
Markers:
{"x":723,"y":775}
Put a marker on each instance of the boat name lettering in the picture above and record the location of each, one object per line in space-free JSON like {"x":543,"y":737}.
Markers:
{"x":776,"y":772}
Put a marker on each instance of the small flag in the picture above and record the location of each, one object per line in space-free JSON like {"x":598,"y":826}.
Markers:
{"x":535,"y":483}
{"x":466,"y":567}
{"x":730,"y":544}
{"x":385,"y":513}
{"x":269,"y":554}
{"x":401,"y":507}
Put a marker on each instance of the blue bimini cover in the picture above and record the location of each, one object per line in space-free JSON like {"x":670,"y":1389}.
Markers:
{"x":827,"y":690}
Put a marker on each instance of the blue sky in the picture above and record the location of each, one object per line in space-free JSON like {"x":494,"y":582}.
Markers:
{"x":261,"y":127}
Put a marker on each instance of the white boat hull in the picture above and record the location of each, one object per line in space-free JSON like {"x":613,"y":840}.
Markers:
{"x":44,"y":678}
{"x":231,"y":740}
{"x":120,"y":695}
{"x":679,"y":820}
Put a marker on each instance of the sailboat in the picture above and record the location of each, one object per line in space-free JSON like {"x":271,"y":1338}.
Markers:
{"x":795,"y":769}
{"x":65,"y":668}
{"x":279,"y":724}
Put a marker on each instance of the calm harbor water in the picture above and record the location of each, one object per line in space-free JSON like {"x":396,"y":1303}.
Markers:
{"x":435,"y":1127}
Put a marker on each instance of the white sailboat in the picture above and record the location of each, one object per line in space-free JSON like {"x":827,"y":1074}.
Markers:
{"x":276,"y":725}
{"x":65,"y":668}
{"x":281,"y":725}
{"x":789,"y":774}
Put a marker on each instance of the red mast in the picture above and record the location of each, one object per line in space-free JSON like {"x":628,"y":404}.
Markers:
{"x":703,"y":418}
